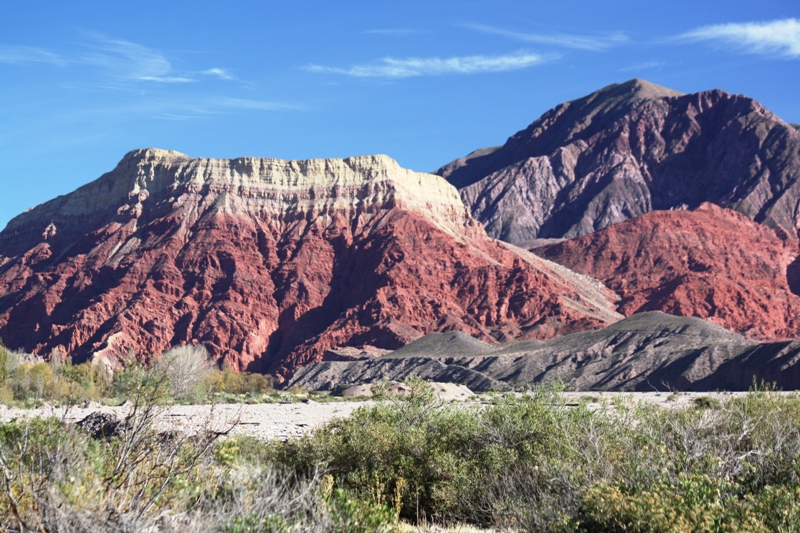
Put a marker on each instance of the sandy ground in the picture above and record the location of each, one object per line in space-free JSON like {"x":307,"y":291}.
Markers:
{"x":260,"y":420}
{"x":291,"y":420}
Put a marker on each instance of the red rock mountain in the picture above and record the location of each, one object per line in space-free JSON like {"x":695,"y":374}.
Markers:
{"x":269,"y":263}
{"x":629,"y":149}
{"x":710,"y":263}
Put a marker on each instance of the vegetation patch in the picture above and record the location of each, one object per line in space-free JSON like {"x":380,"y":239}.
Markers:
{"x":536,"y":462}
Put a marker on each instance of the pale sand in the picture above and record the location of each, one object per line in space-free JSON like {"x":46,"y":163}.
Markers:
{"x":260,"y":420}
{"x":291,"y":420}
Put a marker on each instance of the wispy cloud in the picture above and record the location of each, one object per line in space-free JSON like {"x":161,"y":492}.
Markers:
{"x":255,"y":105}
{"x":131,"y":61}
{"x":777,"y":37}
{"x":644,"y":66}
{"x":29,"y":54}
{"x":220,"y":73}
{"x":564,"y":40}
{"x":117,"y":59}
{"x":411,"y":67}
{"x":399,"y":32}
{"x":163,"y":107}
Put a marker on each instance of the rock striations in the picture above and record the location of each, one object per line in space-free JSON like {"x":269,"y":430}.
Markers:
{"x":648,"y":351}
{"x":629,"y":149}
{"x":711,"y":263}
{"x":270,"y":263}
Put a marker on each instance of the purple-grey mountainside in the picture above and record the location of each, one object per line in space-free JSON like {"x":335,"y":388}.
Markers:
{"x":628,"y":149}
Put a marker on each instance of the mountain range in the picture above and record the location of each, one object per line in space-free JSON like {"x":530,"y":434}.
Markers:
{"x":268,"y":263}
{"x":631,"y":200}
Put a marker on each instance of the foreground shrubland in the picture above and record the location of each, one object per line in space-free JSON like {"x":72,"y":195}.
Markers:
{"x":533,"y":463}
{"x":529,"y":463}
{"x":187,"y":374}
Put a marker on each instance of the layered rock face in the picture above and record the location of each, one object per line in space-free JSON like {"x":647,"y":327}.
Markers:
{"x":629,"y":149}
{"x":648,"y":351}
{"x":711,"y":263}
{"x":270,"y":263}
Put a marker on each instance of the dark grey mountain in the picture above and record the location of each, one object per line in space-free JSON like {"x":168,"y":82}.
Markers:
{"x":648,"y":351}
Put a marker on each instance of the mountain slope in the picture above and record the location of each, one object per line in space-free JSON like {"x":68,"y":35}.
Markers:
{"x":268,"y":263}
{"x":629,"y":149}
{"x":648,"y":351}
{"x":711,"y":263}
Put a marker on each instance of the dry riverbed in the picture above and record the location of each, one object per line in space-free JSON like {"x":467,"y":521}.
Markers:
{"x":288,"y":420}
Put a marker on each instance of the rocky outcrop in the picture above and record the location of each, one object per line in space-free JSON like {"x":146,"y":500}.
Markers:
{"x":332,"y":376}
{"x":350,"y":353}
{"x":648,"y":351}
{"x":711,"y":263}
{"x":270,"y":263}
{"x":629,"y":149}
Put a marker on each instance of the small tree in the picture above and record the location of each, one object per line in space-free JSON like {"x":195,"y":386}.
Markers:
{"x":186,"y":368}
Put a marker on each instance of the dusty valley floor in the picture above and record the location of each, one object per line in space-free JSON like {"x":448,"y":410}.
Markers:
{"x":290,"y":420}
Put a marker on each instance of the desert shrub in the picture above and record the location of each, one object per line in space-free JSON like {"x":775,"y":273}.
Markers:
{"x":417,"y":439}
{"x":519,"y":462}
{"x":706,"y":402}
{"x":59,"y":479}
{"x":137,"y":380}
{"x":34,"y":381}
{"x":29,"y":380}
{"x":695,"y":503}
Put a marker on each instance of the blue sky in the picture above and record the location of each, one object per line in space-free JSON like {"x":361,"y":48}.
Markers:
{"x":82,"y":83}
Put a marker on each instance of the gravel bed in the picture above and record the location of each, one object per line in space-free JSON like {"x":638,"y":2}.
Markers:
{"x":266,"y":420}
{"x":291,"y":420}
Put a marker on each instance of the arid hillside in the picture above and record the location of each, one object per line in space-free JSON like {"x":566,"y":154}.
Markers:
{"x":710,"y":263}
{"x":268,"y":263}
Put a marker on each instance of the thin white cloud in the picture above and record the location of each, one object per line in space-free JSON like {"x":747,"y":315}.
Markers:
{"x":220,"y":73}
{"x":166,"y":108}
{"x":644,"y":66}
{"x":131,"y":61}
{"x":432,"y":66}
{"x":118,"y":59}
{"x":256,"y":105}
{"x":399,"y":32}
{"x":777,"y":37}
{"x":580,"y":42}
{"x":15,"y":54}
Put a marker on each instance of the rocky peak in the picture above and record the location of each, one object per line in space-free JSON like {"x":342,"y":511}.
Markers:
{"x":576,"y":119}
{"x":628,"y":149}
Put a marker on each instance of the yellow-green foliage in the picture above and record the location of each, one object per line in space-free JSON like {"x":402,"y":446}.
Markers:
{"x":237,"y":383}
{"x":58,"y":383}
{"x":3,"y":363}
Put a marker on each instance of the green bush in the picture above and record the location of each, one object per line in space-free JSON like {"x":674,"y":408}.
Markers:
{"x":535,"y":464}
{"x":518,"y":462}
{"x":190,"y":378}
